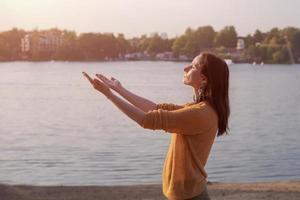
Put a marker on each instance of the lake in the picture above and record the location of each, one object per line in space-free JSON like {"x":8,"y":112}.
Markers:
{"x":55,"y":129}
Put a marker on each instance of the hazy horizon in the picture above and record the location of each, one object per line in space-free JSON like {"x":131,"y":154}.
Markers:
{"x":137,"y":17}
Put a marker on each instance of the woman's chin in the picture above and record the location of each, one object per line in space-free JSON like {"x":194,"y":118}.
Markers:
{"x":184,"y":82}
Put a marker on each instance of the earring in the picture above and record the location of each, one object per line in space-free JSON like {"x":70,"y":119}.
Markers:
{"x":196,"y":98}
{"x":202,"y":92}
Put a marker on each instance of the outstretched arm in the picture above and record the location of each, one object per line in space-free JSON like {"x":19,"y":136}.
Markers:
{"x":190,"y":120}
{"x":140,"y":102}
{"x":131,"y":111}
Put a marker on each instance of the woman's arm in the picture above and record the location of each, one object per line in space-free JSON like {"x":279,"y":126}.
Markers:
{"x":188,"y":121}
{"x":140,"y":102}
{"x":131,"y":111}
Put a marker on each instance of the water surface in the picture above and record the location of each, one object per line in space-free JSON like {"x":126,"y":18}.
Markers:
{"x":56,"y":130}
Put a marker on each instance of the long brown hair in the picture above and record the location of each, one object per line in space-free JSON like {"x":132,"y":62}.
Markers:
{"x":217,"y":73}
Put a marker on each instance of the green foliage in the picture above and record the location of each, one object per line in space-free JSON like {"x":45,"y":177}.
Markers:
{"x":153,"y":45}
{"x":143,"y":43}
{"x":274,"y":46}
{"x":205,"y":36}
{"x":280,"y":56}
{"x":193,"y":41}
{"x":263,"y":53}
{"x":10,"y":47}
{"x":293,"y":36}
{"x":258,"y":36}
{"x":123,"y":45}
{"x":227,"y":37}
{"x":157,"y":45}
{"x":249,"y":40}
{"x":269,"y":54}
{"x":69,"y":49}
{"x":274,"y":37}
{"x":220,"y":50}
{"x":178,"y":45}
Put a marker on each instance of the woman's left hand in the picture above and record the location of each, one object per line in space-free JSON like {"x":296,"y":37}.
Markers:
{"x":98,"y":85}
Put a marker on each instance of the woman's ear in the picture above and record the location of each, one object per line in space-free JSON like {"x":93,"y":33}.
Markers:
{"x":204,"y":79}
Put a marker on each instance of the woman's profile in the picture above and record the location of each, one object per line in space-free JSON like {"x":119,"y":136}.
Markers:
{"x":193,"y":126}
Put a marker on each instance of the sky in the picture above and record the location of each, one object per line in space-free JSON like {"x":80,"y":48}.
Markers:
{"x":137,"y":17}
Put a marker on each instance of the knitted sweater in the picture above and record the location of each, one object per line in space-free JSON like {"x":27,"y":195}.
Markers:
{"x":193,"y":127}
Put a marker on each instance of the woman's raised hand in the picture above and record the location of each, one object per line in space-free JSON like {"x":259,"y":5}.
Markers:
{"x":112,"y":82}
{"x":98,"y":85}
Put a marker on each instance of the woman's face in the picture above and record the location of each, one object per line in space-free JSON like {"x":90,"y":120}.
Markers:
{"x":192,"y":74}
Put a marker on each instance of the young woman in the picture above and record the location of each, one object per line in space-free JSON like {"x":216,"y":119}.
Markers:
{"x":193,"y":126}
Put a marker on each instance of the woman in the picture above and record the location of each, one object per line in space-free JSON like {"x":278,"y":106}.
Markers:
{"x":193,"y":126}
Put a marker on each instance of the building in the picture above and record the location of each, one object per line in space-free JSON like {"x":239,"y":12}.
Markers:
{"x":163,"y":36}
{"x":137,"y":56}
{"x":25,"y":43}
{"x":240,"y":44}
{"x":134,"y":42}
{"x":41,"y":44}
{"x":167,"y":55}
{"x":50,"y":41}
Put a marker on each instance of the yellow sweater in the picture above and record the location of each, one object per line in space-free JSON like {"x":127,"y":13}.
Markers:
{"x":194,"y":127}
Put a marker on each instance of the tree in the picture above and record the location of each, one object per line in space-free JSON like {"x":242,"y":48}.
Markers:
{"x":249,"y":40}
{"x":227,"y":37}
{"x":258,"y":36}
{"x":178,"y":45}
{"x":156,"y":45}
{"x":280,"y":56}
{"x":193,"y":41}
{"x":123,"y":45}
{"x":205,"y":36}
{"x":69,"y":48}
{"x":4,"y":49}
{"x":10,"y":43}
{"x":274,"y":37}
{"x":293,"y":36}
{"x":143,"y":43}
{"x":88,"y":45}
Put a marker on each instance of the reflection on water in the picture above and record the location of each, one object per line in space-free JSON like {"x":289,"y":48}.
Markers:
{"x":55,"y":129}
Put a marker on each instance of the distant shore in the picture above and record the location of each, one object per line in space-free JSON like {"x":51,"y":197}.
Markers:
{"x":234,"y":191}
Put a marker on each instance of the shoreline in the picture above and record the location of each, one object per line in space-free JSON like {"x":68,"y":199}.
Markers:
{"x":285,"y":189}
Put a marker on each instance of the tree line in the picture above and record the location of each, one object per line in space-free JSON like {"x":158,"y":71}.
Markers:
{"x":274,"y":46}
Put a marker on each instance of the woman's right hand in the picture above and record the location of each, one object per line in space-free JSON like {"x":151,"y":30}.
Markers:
{"x":112,"y":82}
